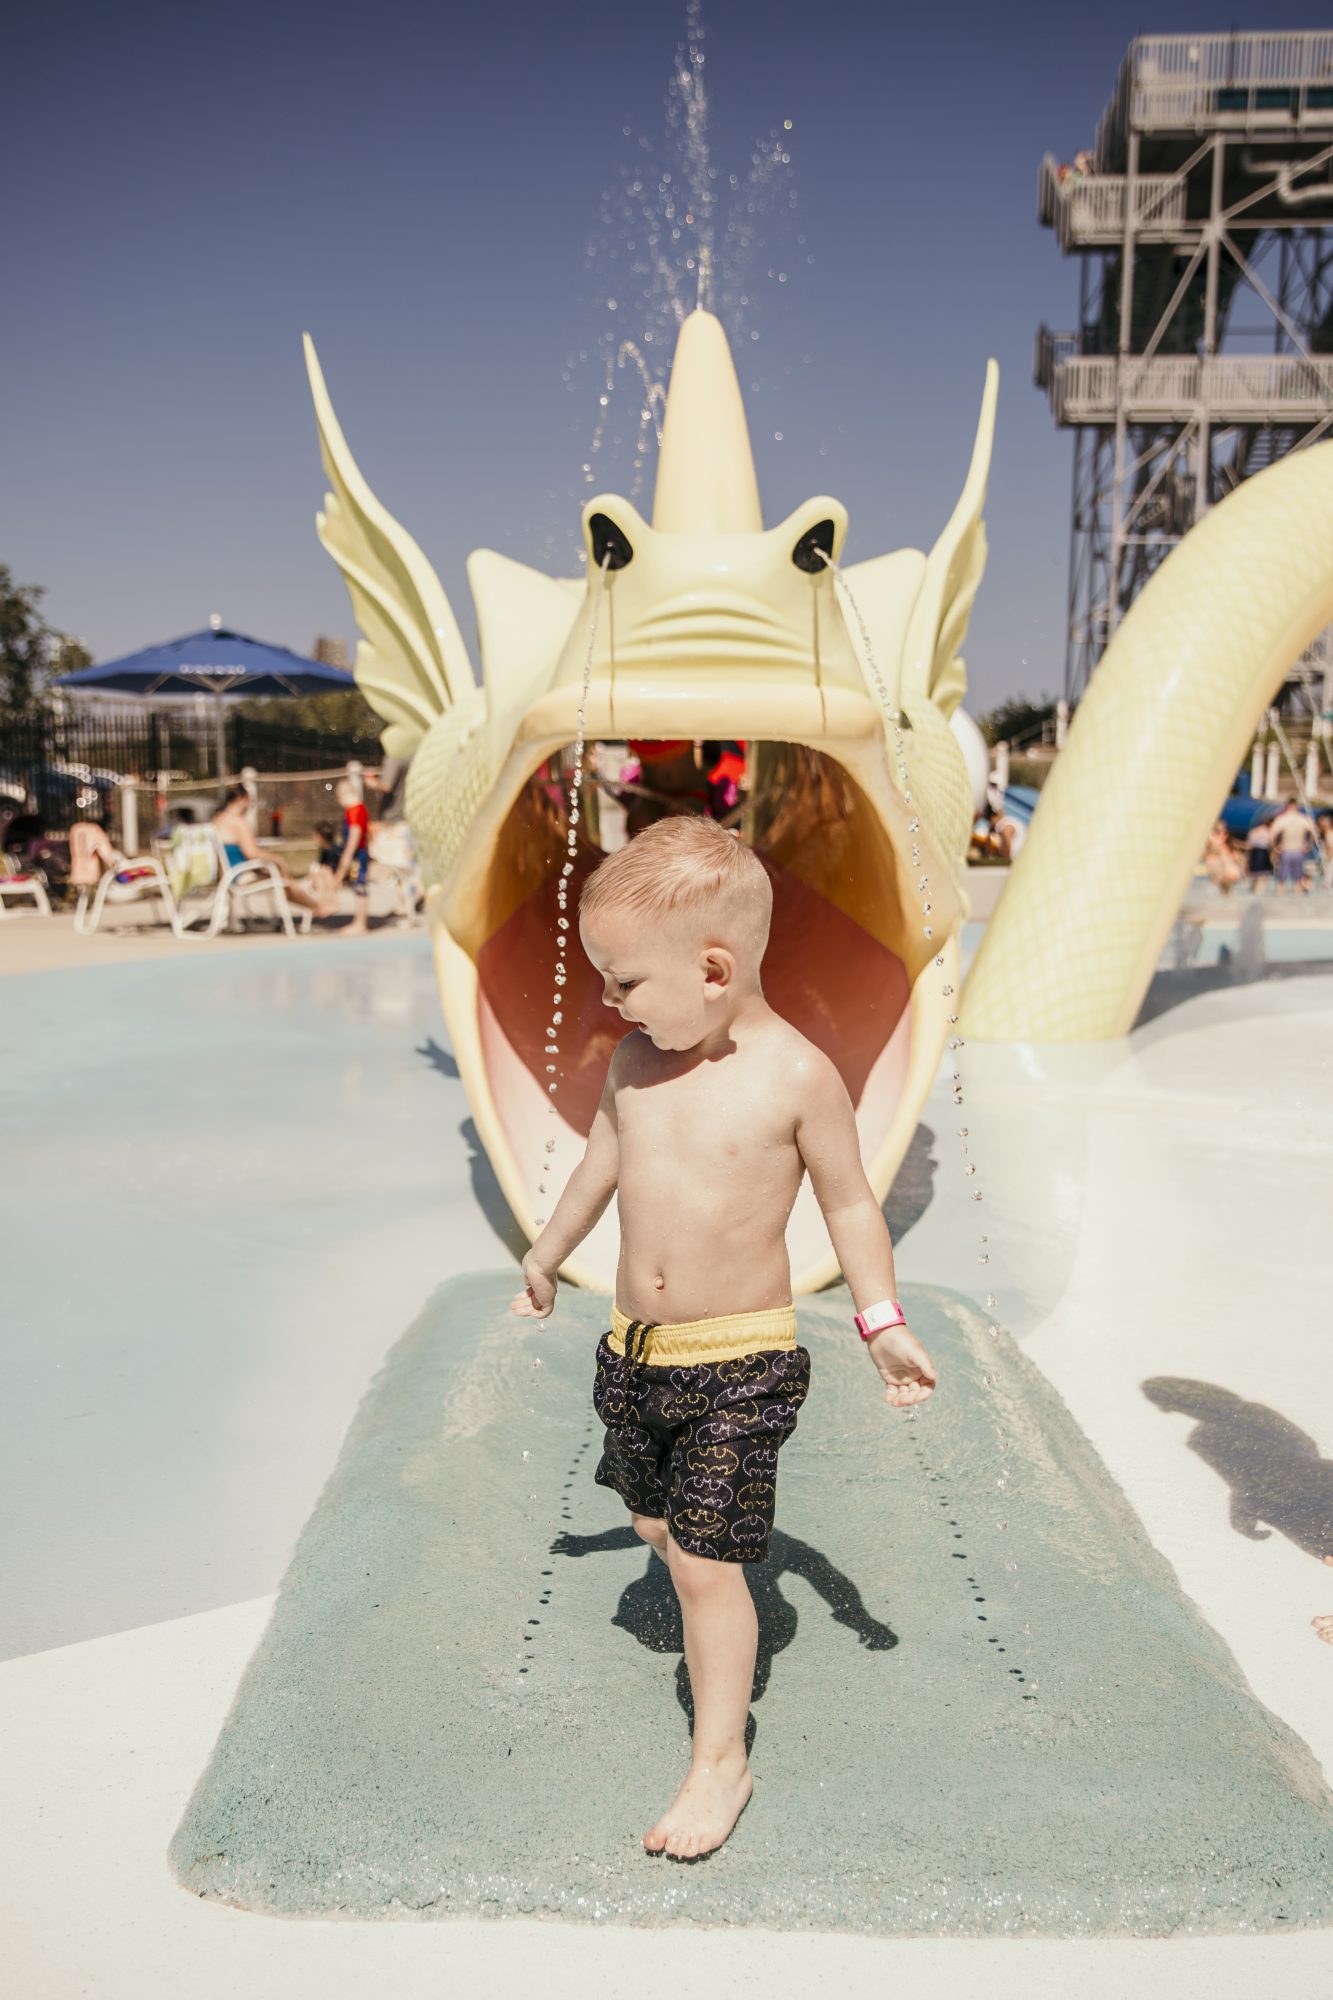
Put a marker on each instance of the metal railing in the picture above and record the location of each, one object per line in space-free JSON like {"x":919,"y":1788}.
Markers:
{"x":1174,"y":82}
{"x":1050,"y":352}
{"x":1092,"y":208}
{"x":1249,"y":388}
{"x":68,"y":764}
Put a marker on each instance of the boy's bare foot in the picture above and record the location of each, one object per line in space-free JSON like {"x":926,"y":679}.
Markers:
{"x":1324,"y":1627}
{"x":704,"y":1810}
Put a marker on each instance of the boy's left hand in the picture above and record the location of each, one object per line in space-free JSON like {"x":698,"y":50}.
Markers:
{"x":907,"y":1370}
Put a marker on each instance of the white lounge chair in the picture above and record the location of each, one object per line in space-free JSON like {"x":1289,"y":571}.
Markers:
{"x":128,"y":882}
{"x":17,"y":884}
{"x":231,"y":889}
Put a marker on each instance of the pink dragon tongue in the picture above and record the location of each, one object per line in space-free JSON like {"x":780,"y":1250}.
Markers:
{"x":706,"y":481}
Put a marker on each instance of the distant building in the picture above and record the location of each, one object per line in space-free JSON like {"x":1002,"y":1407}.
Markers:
{"x":330,"y":652}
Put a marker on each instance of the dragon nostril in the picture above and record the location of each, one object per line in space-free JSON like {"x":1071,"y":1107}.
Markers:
{"x":815,"y":544}
{"x":609,"y":541}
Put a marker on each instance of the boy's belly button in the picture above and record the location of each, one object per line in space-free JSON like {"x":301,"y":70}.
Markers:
{"x":659,"y":1281}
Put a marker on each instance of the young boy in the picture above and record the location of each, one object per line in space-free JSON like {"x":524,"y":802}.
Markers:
{"x":713,"y":1109}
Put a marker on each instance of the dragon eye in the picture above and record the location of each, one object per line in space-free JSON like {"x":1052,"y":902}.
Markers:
{"x":814,"y":545}
{"x":609,"y":541}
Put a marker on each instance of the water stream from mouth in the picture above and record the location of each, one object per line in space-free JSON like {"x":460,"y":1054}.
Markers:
{"x":561,"y":975}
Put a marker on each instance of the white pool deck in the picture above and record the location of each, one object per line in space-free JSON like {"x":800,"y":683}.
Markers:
{"x":240,"y":1171}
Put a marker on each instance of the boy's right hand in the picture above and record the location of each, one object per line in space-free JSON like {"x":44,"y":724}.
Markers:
{"x":536,"y":1300}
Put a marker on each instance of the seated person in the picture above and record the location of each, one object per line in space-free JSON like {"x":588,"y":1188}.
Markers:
{"x":231,"y":823}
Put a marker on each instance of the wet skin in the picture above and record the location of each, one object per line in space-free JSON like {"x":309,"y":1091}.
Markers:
{"x":711,"y":1114}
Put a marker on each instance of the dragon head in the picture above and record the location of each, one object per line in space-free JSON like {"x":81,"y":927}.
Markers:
{"x":699,"y":625}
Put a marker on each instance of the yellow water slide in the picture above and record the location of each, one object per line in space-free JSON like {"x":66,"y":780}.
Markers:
{"x":1156,"y":741}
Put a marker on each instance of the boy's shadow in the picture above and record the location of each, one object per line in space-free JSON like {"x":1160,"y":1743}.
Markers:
{"x":650,"y":1612}
{"x":1274,"y":1469}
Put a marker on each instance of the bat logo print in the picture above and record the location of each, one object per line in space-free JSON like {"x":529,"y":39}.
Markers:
{"x":716,"y":1458}
{"x":701,"y":1491}
{"x":761,"y":1461}
{"x":700,"y":1522}
{"x":742,"y":1368}
{"x":685,"y":1408}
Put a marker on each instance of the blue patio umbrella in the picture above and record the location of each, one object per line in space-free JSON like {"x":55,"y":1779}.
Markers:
{"x":214,"y":661}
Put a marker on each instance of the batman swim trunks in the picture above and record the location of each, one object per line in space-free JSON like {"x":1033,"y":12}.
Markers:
{"x":695,"y":1414}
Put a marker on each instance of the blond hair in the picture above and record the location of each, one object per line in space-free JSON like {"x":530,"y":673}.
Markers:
{"x":685,"y":867}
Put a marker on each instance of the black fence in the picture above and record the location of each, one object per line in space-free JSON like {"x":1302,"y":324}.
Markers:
{"x":67,"y":766}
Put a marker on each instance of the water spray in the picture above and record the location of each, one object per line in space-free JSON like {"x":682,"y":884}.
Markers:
{"x":561,"y":975}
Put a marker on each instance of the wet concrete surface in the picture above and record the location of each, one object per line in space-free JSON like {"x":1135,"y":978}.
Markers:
{"x":983,"y":1703}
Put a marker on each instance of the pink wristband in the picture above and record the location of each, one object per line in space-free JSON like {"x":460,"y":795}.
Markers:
{"x":885,"y":1312}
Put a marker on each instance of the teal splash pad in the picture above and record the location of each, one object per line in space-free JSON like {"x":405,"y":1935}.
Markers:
{"x":982,"y":1702}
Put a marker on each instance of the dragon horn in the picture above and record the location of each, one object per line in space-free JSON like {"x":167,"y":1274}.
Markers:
{"x":706,"y":481}
{"x":1158,"y":736}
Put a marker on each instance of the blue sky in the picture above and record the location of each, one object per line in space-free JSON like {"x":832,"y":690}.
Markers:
{"x":190,"y":188}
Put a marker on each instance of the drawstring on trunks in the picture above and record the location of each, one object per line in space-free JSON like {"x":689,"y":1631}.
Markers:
{"x":638,"y":1329}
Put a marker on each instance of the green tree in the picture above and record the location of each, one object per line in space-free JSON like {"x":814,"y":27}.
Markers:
{"x":344,"y":712}
{"x":31,"y":653}
{"x":1018,"y":716}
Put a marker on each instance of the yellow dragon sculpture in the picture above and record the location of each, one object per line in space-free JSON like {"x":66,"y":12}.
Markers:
{"x":704,"y":624}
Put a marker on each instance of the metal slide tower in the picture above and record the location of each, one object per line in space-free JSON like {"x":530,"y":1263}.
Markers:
{"x":1203,"y":224}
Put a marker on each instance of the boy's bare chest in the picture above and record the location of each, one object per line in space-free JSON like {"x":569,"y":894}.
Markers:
{"x":708,"y":1114}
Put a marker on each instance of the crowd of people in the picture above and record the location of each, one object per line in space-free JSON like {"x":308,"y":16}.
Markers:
{"x":198,"y":852}
{"x":1292,"y":849}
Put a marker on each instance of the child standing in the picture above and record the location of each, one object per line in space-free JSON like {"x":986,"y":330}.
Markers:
{"x":1258,"y":854}
{"x":713,"y":1110}
{"x":355,"y":857}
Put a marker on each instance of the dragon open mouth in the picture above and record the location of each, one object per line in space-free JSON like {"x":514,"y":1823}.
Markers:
{"x":698,"y":623}
{"x":836,"y":968}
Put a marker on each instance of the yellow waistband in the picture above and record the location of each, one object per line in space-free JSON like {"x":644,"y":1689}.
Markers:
{"x":691,"y":1342}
